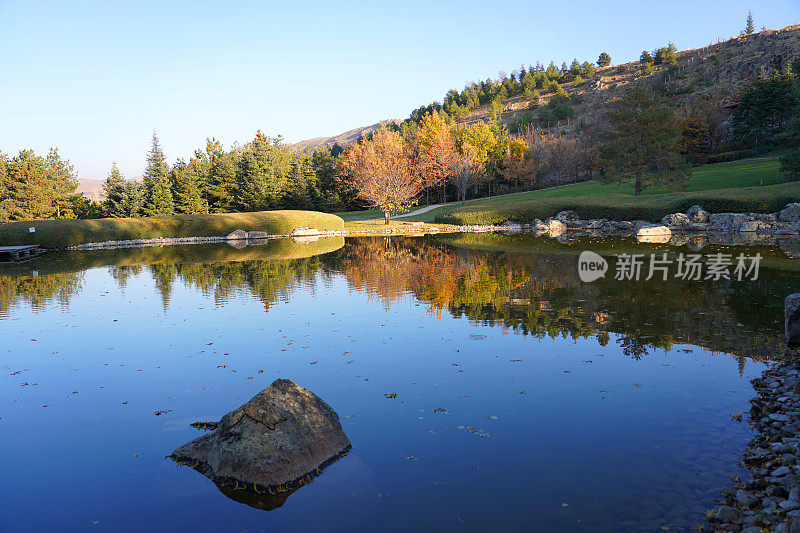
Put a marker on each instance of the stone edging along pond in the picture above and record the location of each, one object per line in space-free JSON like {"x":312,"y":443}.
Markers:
{"x":769,"y":500}
{"x":755,"y":228}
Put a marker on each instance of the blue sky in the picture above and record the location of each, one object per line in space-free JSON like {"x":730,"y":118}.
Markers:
{"x":95,"y":79}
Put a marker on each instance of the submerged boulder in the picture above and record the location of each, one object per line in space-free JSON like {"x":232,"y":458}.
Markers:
{"x":275,"y":442}
{"x":792,"y":309}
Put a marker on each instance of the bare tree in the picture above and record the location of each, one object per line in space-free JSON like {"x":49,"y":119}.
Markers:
{"x":464,"y":171}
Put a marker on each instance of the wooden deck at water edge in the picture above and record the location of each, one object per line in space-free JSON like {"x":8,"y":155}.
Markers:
{"x":18,"y":254}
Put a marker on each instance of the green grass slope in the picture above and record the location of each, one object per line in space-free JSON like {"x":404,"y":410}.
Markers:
{"x":743,"y":186}
{"x":64,"y":233}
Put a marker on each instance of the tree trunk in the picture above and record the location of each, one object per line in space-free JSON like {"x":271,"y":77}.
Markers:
{"x":386,"y":217}
{"x":637,"y":186}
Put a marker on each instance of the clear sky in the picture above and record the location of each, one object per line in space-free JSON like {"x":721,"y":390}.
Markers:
{"x":95,"y":79}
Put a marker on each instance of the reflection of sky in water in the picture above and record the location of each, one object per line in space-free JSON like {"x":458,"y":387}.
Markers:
{"x":570,"y":435}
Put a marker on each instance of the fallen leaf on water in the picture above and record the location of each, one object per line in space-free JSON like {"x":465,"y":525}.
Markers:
{"x":390,"y":395}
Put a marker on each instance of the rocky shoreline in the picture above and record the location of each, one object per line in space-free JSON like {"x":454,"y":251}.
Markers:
{"x":694,"y":220}
{"x":769,"y":500}
{"x":696,"y":224}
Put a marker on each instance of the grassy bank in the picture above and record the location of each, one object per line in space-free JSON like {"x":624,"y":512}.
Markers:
{"x":740,"y":186}
{"x":63,"y":233}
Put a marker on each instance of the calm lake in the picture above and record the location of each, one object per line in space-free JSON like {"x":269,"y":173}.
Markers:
{"x":525,"y":398}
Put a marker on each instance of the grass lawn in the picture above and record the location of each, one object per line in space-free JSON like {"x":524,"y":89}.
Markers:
{"x":369,"y":214}
{"x":707,"y":177}
{"x":64,"y":233}
{"x":360,"y":225}
{"x":737,"y":186}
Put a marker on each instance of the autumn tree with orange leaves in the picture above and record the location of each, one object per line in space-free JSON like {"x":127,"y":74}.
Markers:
{"x":382,"y":172}
{"x":437,"y":149}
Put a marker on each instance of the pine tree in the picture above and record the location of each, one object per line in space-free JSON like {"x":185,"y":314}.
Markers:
{"x":158,"y":190}
{"x":61,"y":184}
{"x":132,"y":199}
{"x":604,"y":60}
{"x":6,"y":206}
{"x":114,"y":188}
{"x":187,"y":181}
{"x":643,"y":143}
{"x":220,"y":182}
{"x":262,"y":173}
{"x":750,"y":27}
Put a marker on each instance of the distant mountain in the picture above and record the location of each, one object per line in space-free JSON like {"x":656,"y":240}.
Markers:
{"x":343,"y":139}
{"x":91,"y":188}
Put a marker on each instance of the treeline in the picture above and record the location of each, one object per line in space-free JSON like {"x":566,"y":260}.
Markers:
{"x":531,"y":83}
{"x":261,"y":175}
{"x":36,"y":187}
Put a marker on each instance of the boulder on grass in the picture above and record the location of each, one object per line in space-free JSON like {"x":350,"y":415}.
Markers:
{"x":274,"y":443}
{"x":237,"y":235}
{"x":256,"y":235}
{"x":697,"y":214}
{"x":676,"y":221}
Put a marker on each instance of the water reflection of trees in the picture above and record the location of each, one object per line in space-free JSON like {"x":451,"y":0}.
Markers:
{"x":540,"y":294}
{"x":536,"y":293}
{"x":37,"y":291}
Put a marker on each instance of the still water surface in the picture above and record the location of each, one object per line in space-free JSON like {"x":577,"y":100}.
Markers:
{"x":566,"y":406}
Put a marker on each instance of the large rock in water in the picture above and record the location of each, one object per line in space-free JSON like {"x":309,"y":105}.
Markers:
{"x":272,"y":444}
{"x":792,"y":308}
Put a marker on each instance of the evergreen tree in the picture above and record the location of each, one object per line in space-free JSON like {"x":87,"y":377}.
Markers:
{"x":750,"y":26}
{"x":220,"y":184}
{"x":132,"y":199}
{"x":767,"y":107}
{"x":645,"y":57}
{"x":643,"y":143}
{"x":262,"y":174}
{"x":187,"y":182}
{"x":158,"y":189}
{"x":604,"y":60}
{"x":113,"y":189}
{"x":61,"y":184}
{"x":6,"y":205}
{"x":38,"y":187}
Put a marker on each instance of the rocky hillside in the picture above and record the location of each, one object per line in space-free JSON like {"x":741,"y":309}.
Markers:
{"x":715,"y":73}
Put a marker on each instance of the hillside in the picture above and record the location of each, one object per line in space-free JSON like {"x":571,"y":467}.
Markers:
{"x":716,"y":73}
{"x":343,"y":139}
{"x":91,"y":188}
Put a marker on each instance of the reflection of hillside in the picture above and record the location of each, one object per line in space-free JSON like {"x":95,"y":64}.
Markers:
{"x":540,"y":294}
